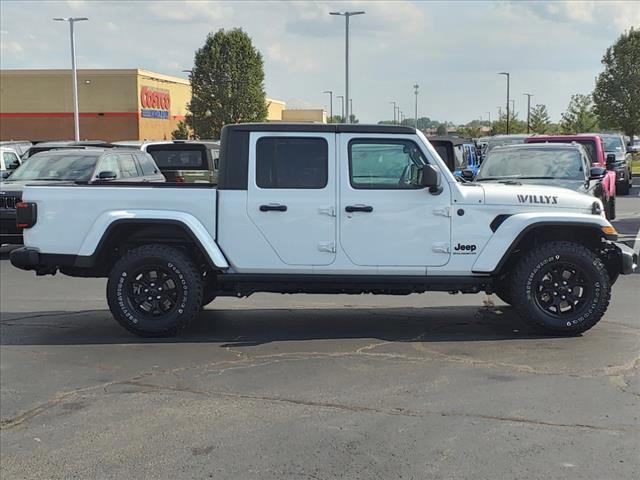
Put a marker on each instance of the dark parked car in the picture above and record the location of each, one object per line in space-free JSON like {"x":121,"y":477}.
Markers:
{"x":64,"y":145}
{"x":183,"y":161}
{"x":95,"y":165}
{"x":615,"y":144}
{"x":550,"y":164}
{"x":458,"y":153}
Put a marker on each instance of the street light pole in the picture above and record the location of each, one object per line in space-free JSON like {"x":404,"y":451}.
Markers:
{"x":529,"y":95}
{"x":350,"y":110}
{"x":489,"y":114}
{"x":341,"y":97}
{"x":415,"y":89}
{"x":330,"y":92}
{"x":394,"y":112}
{"x":346,"y":16}
{"x":76,"y":111}
{"x":508,"y":81}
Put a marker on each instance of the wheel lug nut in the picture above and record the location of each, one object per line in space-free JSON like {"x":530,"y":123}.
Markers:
{"x":150,"y":298}
{"x":555,"y":285}
{"x":563,"y":297}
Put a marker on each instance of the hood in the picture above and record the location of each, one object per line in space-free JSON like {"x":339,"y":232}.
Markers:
{"x":571,"y":184}
{"x":537,"y":196}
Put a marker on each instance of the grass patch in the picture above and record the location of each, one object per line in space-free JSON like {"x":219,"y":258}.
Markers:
{"x":635,"y":164}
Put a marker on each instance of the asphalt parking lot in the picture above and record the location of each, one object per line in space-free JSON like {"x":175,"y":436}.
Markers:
{"x":316,"y":387}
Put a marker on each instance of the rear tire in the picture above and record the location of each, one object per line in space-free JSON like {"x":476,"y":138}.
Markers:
{"x":611,"y":208}
{"x":561,"y":287}
{"x":623,"y":188}
{"x":154,"y":291}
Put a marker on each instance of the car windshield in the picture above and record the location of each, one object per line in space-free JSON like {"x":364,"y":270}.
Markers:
{"x":613,"y":144}
{"x":57,"y":167}
{"x":532,"y":163}
{"x":497,"y":142}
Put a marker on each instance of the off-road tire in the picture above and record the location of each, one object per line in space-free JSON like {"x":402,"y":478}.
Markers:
{"x":611,"y":208}
{"x":179,"y":273}
{"x":207,"y":297}
{"x":535,"y":266}
{"x":502,"y":289}
{"x":624,"y":187}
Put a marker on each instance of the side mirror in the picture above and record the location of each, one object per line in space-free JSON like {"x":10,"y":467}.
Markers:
{"x":107,"y":175}
{"x":597,"y":173}
{"x":431,"y":178}
{"x":467,"y":174}
{"x":5,"y":174}
{"x":611,"y":161}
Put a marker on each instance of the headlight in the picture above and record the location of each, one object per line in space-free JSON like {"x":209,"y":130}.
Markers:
{"x":596,"y":208}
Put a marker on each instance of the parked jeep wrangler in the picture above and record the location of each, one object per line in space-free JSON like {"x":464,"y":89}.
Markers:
{"x":313,"y":208}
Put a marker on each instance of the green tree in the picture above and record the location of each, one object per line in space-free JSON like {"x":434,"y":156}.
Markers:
{"x":353,"y":118}
{"x":227,"y":84}
{"x":617,"y":92}
{"x":580,"y":116}
{"x":539,"y":119}
{"x":335,"y":119}
{"x":499,"y":127}
{"x":181,"y":133}
{"x":442,"y":129}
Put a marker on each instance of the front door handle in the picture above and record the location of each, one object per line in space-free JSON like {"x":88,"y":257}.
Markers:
{"x":273,"y":208}
{"x":358,"y":208}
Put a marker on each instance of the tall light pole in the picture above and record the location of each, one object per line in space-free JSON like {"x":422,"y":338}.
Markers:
{"x":346,"y":16}
{"x":529,"y":95}
{"x":330,"y":92}
{"x":394,"y":111}
{"x":350,"y":109}
{"x":341,"y":97}
{"x":508,"y":81}
{"x":489,"y":114}
{"x":76,"y":112}
{"x":415,"y":89}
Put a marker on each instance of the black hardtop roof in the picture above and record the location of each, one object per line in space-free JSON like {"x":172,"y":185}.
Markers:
{"x":71,"y":143}
{"x":320,"y":127}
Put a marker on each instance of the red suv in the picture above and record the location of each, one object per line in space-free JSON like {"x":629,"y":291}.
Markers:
{"x":595,"y":148}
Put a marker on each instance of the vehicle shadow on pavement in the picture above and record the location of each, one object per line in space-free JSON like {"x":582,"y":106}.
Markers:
{"x":251,"y":327}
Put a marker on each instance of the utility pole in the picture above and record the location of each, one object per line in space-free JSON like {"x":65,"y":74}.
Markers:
{"x":508,"y":82}
{"x":341,"y":97}
{"x":489,"y":114}
{"x":346,"y":16}
{"x":415,"y":89}
{"x":74,"y":72}
{"x":351,"y":109}
{"x":529,"y":95}
{"x":394,"y":112}
{"x":330,"y":104}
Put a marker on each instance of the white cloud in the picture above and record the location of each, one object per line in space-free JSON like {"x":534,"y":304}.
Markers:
{"x":300,"y":61}
{"x":191,"y":10}
{"x":11,"y":47}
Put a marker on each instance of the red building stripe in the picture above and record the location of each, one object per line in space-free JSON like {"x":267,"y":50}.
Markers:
{"x":65,"y":114}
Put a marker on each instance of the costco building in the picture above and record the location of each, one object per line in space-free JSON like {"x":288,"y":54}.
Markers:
{"x":114,"y":104}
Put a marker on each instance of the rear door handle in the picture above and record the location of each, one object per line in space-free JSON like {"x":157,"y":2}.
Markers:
{"x":358,"y":208}
{"x":273,"y":208}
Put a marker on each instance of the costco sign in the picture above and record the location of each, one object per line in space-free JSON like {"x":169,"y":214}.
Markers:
{"x":155,"y":103}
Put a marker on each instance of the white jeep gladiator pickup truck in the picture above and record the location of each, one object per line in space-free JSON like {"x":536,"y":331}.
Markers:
{"x":313,"y":208}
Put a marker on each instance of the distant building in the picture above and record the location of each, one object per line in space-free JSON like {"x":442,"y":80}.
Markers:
{"x":115,"y":104}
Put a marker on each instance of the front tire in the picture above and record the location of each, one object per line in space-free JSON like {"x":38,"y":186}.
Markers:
{"x":154,"y":291}
{"x":611,"y":208}
{"x":624,"y":187}
{"x":561,"y":287}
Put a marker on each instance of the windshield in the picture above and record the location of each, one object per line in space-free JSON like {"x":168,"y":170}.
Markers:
{"x":613,"y":144}
{"x":532,"y":163}
{"x":57,"y":167}
{"x":179,"y":156}
{"x":497,"y":142}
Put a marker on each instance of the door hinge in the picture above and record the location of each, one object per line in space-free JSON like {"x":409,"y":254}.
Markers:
{"x":327,"y":211}
{"x":445,"y":211}
{"x":329,"y":247}
{"x":441,"y":247}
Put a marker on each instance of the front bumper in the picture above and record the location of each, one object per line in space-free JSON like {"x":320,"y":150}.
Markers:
{"x":628,"y":258}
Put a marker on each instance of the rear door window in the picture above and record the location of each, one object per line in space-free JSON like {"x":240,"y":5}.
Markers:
{"x":292,"y":162}
{"x":127,"y":165}
{"x":147,"y":165}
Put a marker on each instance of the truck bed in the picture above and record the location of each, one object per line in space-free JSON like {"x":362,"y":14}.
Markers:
{"x":78,"y":213}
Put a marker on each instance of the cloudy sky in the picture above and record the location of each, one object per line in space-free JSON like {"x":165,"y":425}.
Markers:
{"x":453,"y":50}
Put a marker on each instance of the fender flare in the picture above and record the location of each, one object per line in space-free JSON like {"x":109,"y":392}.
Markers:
{"x":108,"y":221}
{"x":509,"y":233}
